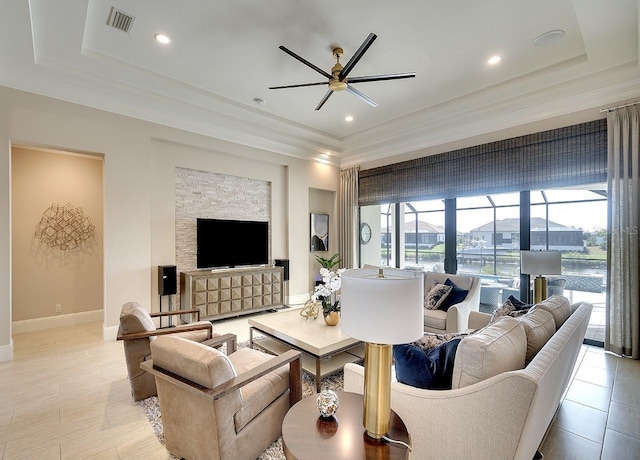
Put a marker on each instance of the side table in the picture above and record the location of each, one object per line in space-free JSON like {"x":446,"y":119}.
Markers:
{"x":307,"y":436}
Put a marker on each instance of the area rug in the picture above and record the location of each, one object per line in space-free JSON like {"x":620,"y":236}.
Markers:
{"x":274,"y":452}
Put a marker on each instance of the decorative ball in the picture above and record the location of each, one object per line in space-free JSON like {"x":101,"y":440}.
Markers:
{"x":328,"y":403}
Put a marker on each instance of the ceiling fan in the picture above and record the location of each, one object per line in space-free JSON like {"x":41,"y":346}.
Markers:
{"x":337,"y":79}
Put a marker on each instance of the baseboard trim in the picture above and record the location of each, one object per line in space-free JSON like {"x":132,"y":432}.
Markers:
{"x":6,"y":352}
{"x":109,"y":333}
{"x":52,"y":322}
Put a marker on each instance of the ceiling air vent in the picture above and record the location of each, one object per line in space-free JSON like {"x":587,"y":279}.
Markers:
{"x":120,"y":20}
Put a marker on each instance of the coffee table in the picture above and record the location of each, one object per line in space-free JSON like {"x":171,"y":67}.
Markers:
{"x":325,"y":349}
{"x":307,"y":436}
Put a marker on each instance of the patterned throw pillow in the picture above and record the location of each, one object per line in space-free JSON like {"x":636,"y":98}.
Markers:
{"x":509,"y":309}
{"x":506,"y":308}
{"x":519,"y":304}
{"x":436,"y":296}
{"x":431,"y":340}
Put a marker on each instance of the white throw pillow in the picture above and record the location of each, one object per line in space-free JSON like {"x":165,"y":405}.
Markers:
{"x":558,"y":306}
{"x":539,"y":325}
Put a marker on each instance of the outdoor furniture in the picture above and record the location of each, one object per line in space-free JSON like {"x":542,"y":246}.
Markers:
{"x":137,"y":330}
{"x":584,"y":283}
{"x":217,"y":406}
{"x":555,"y":286}
{"x":491,"y":294}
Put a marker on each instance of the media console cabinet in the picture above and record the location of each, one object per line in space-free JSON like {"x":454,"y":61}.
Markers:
{"x":231,"y":292}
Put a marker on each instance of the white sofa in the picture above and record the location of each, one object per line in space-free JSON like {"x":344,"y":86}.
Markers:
{"x":501,"y":417}
{"x":456,"y":318}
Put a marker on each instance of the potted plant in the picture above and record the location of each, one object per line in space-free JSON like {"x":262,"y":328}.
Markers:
{"x":330,"y":262}
{"x":326,"y":292}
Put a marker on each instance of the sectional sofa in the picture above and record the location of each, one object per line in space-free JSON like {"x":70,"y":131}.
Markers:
{"x":508,"y":380}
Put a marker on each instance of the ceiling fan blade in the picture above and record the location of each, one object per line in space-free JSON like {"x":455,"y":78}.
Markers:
{"x":299,"y":85}
{"x":358,"y":54}
{"x":389,"y":76}
{"x":324,"y":99}
{"x":305,"y":62}
{"x":362,"y":96}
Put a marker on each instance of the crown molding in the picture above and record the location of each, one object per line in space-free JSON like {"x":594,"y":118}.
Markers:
{"x":448,"y":125}
{"x":188,"y":109}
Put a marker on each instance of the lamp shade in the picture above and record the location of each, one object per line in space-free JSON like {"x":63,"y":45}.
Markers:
{"x":383,"y":310}
{"x":540,"y":262}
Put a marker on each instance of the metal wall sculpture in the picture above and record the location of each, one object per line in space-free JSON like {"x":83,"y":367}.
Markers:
{"x":64,"y":227}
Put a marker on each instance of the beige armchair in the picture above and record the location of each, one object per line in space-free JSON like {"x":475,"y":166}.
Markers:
{"x":137,"y":330}
{"x":456,"y":318}
{"x":217,"y":406}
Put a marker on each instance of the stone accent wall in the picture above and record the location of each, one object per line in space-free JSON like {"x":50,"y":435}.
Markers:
{"x":215,"y":196}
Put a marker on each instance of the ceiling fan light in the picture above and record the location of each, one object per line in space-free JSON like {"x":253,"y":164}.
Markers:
{"x":337,"y":85}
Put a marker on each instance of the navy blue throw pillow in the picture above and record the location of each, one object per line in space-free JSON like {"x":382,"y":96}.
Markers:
{"x":432,"y":370}
{"x":456,"y":295}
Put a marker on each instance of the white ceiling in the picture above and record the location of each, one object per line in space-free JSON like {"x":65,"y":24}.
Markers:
{"x":225,"y":54}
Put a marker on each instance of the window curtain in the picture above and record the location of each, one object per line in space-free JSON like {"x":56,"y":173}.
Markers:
{"x":348,"y":216}
{"x":622,"y":333}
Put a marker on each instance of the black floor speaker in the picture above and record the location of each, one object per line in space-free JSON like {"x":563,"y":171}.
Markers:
{"x":284,"y":263}
{"x":167,"y":280}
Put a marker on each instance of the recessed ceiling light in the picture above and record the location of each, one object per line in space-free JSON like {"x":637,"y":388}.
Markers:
{"x":162,"y":38}
{"x":348,"y":118}
{"x":549,"y":38}
{"x":493,"y":60}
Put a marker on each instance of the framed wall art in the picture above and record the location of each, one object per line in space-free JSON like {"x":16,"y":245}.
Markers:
{"x":319,"y":232}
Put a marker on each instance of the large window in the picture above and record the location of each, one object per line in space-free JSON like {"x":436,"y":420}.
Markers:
{"x":574,"y":222}
{"x":488,"y":229}
{"x":423,"y":234}
{"x":488,"y":241}
{"x":403,"y":235}
{"x":482,"y":187}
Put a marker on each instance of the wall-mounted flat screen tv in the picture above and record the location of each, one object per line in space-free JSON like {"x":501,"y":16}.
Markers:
{"x":230,"y":243}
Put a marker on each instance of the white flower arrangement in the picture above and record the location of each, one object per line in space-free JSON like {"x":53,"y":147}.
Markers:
{"x":331,"y":283}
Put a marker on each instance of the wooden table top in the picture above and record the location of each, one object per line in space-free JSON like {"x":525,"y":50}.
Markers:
{"x":307,"y":435}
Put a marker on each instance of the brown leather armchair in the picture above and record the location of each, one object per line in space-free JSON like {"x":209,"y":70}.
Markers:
{"x":217,"y":406}
{"x":137,"y":330}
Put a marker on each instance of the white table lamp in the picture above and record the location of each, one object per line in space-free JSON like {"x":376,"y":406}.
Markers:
{"x":540,"y":263}
{"x":382,"y":308}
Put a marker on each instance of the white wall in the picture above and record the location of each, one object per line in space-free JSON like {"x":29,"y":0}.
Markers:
{"x":139,"y":162}
{"x":370,"y":253}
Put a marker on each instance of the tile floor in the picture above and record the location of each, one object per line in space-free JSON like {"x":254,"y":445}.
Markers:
{"x":65,"y":395}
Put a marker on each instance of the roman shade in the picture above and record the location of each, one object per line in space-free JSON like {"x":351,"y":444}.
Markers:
{"x":572,"y":155}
